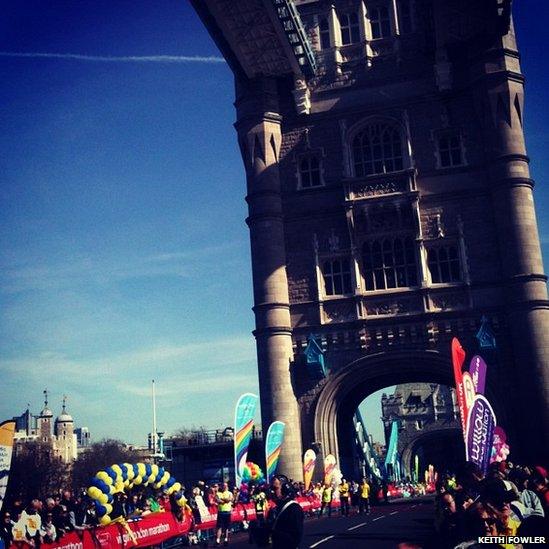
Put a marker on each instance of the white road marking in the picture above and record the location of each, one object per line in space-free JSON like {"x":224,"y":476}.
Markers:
{"x":321,"y":541}
{"x":357,"y":526}
{"x":393,"y":513}
{"x":382,"y":516}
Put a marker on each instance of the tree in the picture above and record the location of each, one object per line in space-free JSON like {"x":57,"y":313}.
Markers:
{"x":98,"y":456}
{"x":36,"y":472}
{"x":193,"y":434}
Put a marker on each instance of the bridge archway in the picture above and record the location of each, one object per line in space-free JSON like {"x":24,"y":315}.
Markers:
{"x":347,"y":387}
{"x":442,"y":448}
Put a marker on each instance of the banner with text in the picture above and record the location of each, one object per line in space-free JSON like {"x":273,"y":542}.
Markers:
{"x":309,"y":461}
{"x":477,"y":369}
{"x":481,"y":423}
{"x":458,"y":357}
{"x":329,"y":468}
{"x":7,"y":430}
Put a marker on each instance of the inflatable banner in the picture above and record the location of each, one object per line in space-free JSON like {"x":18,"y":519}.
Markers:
{"x":416,"y":468}
{"x":477,"y":369}
{"x":458,"y":356}
{"x":243,"y":425}
{"x":468,"y":389}
{"x":309,"y":461}
{"x":7,"y":430}
{"x":329,"y":466}
{"x":273,"y":444}
{"x":481,"y":423}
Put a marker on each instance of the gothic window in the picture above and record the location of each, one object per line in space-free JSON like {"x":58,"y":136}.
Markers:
{"x":405,"y":16}
{"x":450,"y":150}
{"x":444,"y":264}
{"x":380,"y":22}
{"x":419,"y":424}
{"x":337,"y":276}
{"x":389,"y":263}
{"x":377,"y":149}
{"x":324,"y":29}
{"x":350,"y":29}
{"x":309,"y":170}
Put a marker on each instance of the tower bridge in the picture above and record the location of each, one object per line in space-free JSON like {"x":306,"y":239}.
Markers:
{"x":390,"y":206}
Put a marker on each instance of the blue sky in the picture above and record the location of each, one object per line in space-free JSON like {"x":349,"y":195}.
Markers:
{"x":124,"y":255}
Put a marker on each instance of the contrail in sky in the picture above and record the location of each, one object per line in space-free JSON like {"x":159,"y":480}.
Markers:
{"x":116,"y":59}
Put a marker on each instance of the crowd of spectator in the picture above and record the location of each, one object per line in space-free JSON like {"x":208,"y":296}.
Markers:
{"x":508,"y":501}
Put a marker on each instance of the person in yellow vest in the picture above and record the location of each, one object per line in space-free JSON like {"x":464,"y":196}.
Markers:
{"x":344,"y":494}
{"x":364,"y":497}
{"x":327,"y":493}
{"x":224,"y":498}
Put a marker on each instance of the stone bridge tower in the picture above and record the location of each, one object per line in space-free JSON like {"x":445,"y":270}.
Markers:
{"x":390,"y":206}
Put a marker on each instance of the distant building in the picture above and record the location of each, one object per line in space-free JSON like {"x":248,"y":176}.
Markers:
{"x":208,"y":455}
{"x":428,"y":423}
{"x":61,"y":434}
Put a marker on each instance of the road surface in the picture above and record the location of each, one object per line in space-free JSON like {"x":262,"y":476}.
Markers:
{"x":409,"y":520}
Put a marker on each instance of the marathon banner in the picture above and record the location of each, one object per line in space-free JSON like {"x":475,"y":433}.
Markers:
{"x":477,"y":369}
{"x":7,"y":430}
{"x":156,"y":528}
{"x":416,"y":468}
{"x":329,"y":468}
{"x":458,"y":357}
{"x":273,"y":444}
{"x":481,"y":423}
{"x":468,"y":389}
{"x":243,"y":425}
{"x":309,"y":461}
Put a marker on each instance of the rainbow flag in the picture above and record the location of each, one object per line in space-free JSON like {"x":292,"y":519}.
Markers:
{"x":243,"y":424}
{"x":273,"y":444}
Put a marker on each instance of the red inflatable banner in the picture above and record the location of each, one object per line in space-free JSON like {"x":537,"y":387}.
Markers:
{"x":458,"y":357}
{"x":155,"y":528}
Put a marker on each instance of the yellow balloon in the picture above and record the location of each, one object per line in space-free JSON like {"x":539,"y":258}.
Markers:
{"x":165,"y":478}
{"x":102,"y":475}
{"x":104,"y":520}
{"x":108,"y":507}
{"x":157,"y":485}
{"x":137,"y":481}
{"x":141,"y":469}
{"x":154,"y":469}
{"x":111,"y":489}
{"x":116,"y":468}
{"x":102,"y":498}
{"x":176,"y":486}
{"x":93,"y":492}
{"x":151,"y":479}
{"x":131,"y":474}
{"x":119,"y":487}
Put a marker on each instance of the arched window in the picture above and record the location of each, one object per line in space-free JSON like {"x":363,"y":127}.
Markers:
{"x":389,"y":263}
{"x":377,"y":149}
{"x":324,"y":29}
